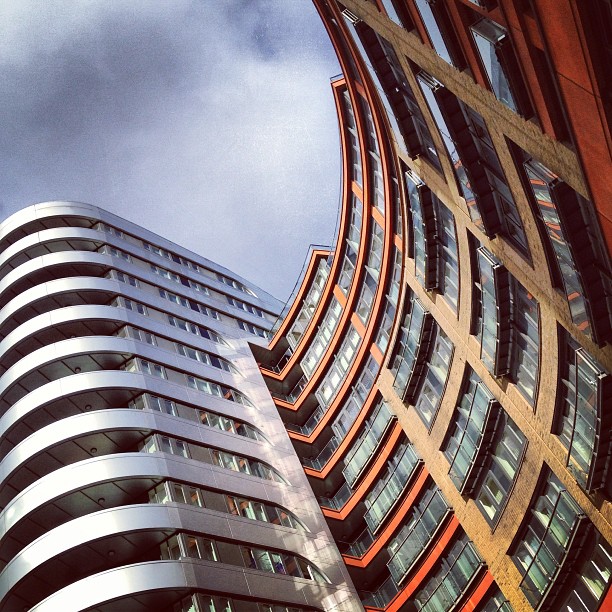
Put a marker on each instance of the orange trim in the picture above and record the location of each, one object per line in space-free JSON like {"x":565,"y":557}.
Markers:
{"x":606,"y":603}
{"x":313,"y":265}
{"x":339,"y":295}
{"x":426,"y":568}
{"x":375,"y":352}
{"x":399,"y":516}
{"x":357,"y":190}
{"x":380,"y":219}
{"x":372,"y":475}
{"x":479,"y":593}
{"x":358,"y":325}
{"x":399,"y":243}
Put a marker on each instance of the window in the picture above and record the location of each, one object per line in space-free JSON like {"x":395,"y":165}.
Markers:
{"x":115,"y":252}
{"x":470,"y":433}
{"x":506,"y":323}
{"x":412,"y":349}
{"x":164,"y":444}
{"x":322,"y":337}
{"x":146,"y":367}
{"x":451,"y":579}
{"x":230,"y":282}
{"x":124,"y":278}
{"x":225,"y":423}
{"x":104,"y":227}
{"x":577,"y":254}
{"x":213,"y":388}
{"x":206,"y":358}
{"x":363,"y":449}
{"x":427,"y":398}
{"x":356,"y":399}
{"x":309,"y":305}
{"x":197,"y":330}
{"x":252,"y":329}
{"x":477,"y":166}
{"x":137,"y":334}
{"x":494,"y":488}
{"x":435,"y":241}
{"x":351,"y":246}
{"x":592,"y":578}
{"x":187,"y":303}
{"x":500,"y":65}
{"x":583,"y":425}
{"x":245,"y":465}
{"x":244,"y":306}
{"x":440,"y":31}
{"x":131,"y":305}
{"x":335,"y":375}
{"x":545,"y":542}
{"x":353,"y":140}
{"x":389,"y":488}
{"x":404,"y":114}
{"x":424,"y":519}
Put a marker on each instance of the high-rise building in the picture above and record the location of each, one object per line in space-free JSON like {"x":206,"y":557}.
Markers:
{"x":436,"y":397}
{"x":445,"y":372}
{"x":144,"y":465}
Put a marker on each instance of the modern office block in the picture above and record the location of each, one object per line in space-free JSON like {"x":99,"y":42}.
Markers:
{"x":445,"y":370}
{"x":143,"y":463}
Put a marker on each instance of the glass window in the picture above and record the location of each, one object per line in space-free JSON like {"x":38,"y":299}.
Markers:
{"x":454,"y":573}
{"x":469,"y":431}
{"x":418,"y":531}
{"x":501,"y":469}
{"x":578,"y":256}
{"x":489,"y":38}
{"x":546,"y":538}
{"x":433,"y":30}
{"x":584,"y":389}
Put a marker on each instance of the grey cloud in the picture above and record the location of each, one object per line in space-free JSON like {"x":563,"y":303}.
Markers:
{"x":217,"y":115}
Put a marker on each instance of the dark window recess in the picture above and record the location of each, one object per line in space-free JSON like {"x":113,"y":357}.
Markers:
{"x":505,"y":322}
{"x":581,"y":420}
{"x":424,"y":229}
{"x":447,"y":31}
{"x":495,"y":322}
{"x":471,"y":434}
{"x":412,"y":350}
{"x":407,"y":112}
{"x":501,"y":66}
{"x":577,"y":254}
{"x":551,"y":544}
{"x":398,"y":13}
{"x":487,"y":180}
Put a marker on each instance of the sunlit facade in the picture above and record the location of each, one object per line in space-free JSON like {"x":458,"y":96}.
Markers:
{"x":143,"y":463}
{"x":449,"y":391}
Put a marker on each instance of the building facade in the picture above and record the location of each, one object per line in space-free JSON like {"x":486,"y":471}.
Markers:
{"x":144,"y":465}
{"x":444,"y":373}
{"x":430,"y":420}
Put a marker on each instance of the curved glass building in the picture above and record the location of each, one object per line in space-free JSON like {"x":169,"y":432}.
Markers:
{"x":426,"y":425}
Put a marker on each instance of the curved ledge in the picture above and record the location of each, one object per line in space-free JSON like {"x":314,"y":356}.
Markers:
{"x":90,"y":425}
{"x":83,"y":313}
{"x":103,"y":531}
{"x":154,"y":578}
{"x":101,"y":473}
{"x":64,"y":395}
{"x":68,"y":351}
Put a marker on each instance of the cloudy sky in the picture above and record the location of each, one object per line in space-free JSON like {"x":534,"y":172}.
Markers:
{"x":211,"y":122}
